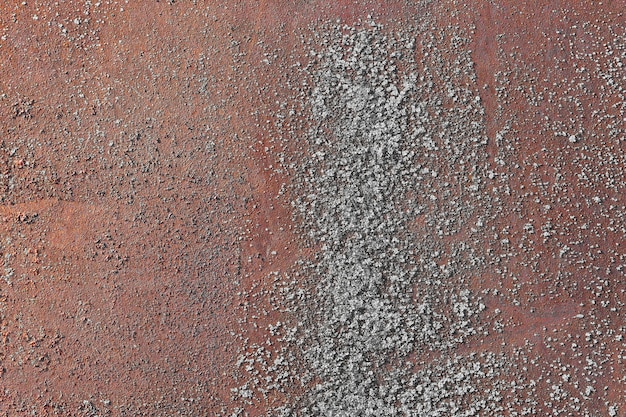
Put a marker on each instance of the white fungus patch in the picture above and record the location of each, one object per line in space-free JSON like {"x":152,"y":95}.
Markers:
{"x":382,"y":136}
{"x":390,"y":138}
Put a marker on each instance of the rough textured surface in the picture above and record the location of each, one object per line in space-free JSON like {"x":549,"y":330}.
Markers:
{"x":385,"y":141}
{"x":431,"y":293}
{"x":312,"y":208}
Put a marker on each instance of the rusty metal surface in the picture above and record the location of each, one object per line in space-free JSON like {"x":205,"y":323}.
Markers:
{"x":139,"y":196}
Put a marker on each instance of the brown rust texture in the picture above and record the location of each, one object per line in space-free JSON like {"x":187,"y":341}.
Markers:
{"x":138,"y":195}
